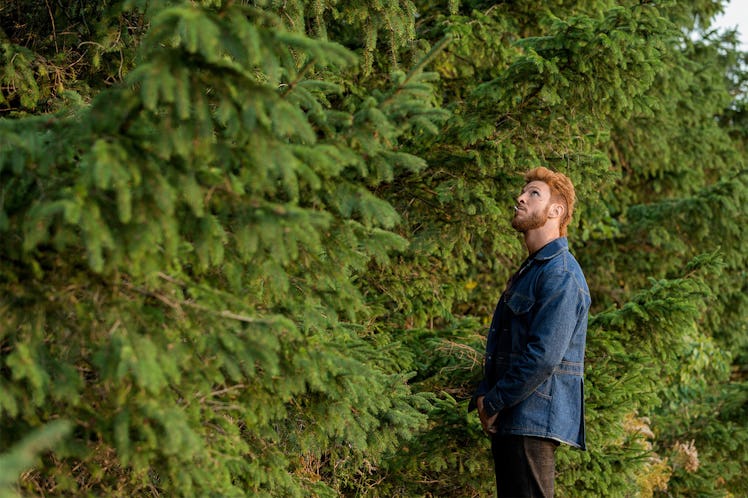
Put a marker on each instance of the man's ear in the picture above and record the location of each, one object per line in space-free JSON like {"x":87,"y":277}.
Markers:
{"x":556,"y":210}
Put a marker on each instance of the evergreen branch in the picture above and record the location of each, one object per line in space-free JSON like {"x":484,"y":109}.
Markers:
{"x":223,"y":313}
{"x":177,"y":305}
{"x":23,"y":454}
{"x":426,"y":59}
{"x":170,"y":279}
{"x":431,"y":55}
{"x":299,"y":76}
{"x":218,"y":392}
{"x":226,"y":314}
{"x":170,"y":303}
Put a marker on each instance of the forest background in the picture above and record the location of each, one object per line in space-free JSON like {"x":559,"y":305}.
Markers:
{"x":250,"y":248}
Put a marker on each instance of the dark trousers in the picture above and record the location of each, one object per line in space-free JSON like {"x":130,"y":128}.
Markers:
{"x":525,"y":466}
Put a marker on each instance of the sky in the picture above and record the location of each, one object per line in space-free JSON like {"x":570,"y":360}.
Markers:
{"x":735,"y":15}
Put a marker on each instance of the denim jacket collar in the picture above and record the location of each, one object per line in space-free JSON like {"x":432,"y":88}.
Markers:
{"x":551,"y":249}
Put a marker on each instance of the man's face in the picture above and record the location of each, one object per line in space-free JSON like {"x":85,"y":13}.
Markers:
{"x":531,"y":210}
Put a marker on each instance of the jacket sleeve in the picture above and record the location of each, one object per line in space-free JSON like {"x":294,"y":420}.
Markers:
{"x":481,"y":390}
{"x":556,"y":312}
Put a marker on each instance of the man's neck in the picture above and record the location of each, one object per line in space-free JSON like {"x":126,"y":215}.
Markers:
{"x":538,"y":238}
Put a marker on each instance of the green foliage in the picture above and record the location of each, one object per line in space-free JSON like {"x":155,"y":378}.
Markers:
{"x":53,"y":52}
{"x":251,"y":248}
{"x":21,"y":456}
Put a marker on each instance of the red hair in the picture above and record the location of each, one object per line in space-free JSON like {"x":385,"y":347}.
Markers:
{"x":562,"y":191}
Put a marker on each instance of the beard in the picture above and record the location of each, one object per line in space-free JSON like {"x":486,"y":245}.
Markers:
{"x":531,"y":222}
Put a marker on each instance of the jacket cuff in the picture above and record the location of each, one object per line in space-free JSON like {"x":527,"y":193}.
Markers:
{"x":479,"y":391}
{"x":473,"y":404}
{"x":492,"y":403}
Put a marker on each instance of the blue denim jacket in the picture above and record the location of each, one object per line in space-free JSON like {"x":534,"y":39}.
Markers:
{"x":535,"y":349}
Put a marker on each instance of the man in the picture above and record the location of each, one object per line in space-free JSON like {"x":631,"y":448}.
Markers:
{"x":531,"y":396}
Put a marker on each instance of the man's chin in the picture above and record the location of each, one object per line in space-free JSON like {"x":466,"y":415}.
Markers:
{"x":524,"y":226}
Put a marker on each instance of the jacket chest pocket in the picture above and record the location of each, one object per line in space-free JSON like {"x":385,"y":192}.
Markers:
{"x":519,"y":304}
{"x":517,"y":326}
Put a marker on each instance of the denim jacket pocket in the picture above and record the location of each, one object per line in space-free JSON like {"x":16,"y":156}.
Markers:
{"x":520,"y":304}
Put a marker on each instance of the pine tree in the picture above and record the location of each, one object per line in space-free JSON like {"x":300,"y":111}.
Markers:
{"x":199,"y":230}
{"x":251,"y":248}
{"x":564,"y":97}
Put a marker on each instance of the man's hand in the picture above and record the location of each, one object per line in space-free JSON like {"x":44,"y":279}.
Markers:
{"x":485,"y":421}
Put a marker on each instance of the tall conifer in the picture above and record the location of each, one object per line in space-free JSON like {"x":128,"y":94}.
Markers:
{"x":251,"y":248}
